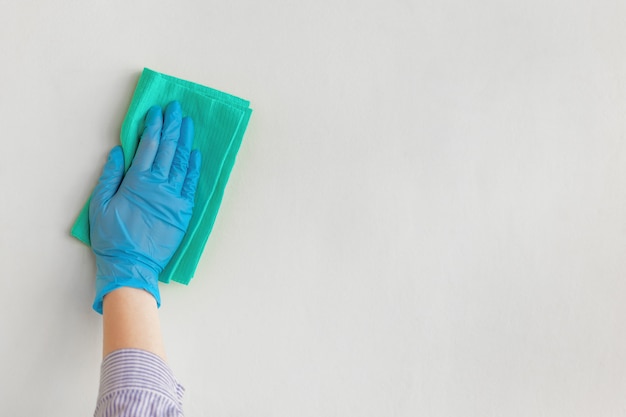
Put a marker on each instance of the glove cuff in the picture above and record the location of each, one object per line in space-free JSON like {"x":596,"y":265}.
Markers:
{"x":112,"y":274}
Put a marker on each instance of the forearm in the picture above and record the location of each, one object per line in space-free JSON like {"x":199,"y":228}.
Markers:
{"x":135,"y":379}
{"x":131,"y":320}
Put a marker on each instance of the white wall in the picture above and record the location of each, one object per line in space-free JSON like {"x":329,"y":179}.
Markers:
{"x":427,"y":216}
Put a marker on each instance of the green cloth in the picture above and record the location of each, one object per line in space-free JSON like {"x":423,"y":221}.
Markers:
{"x":220,"y":121}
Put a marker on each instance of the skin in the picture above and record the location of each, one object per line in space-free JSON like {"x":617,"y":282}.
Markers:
{"x":131,"y":320}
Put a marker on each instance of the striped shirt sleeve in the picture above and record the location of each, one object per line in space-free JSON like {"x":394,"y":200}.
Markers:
{"x":137,"y":383}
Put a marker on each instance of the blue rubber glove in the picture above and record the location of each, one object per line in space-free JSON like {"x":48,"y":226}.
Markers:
{"x":138,"y":220}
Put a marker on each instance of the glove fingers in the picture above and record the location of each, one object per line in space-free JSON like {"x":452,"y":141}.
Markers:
{"x":110,"y":179}
{"x":178,"y":171}
{"x":193,"y":174}
{"x":149,"y":143}
{"x":169,"y":140}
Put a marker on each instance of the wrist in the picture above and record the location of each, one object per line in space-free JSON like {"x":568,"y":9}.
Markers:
{"x":131,"y":321}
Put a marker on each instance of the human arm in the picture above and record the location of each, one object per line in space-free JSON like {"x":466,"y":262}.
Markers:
{"x":137,"y":221}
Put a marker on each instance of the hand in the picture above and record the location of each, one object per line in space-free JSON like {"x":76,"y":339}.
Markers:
{"x":138,"y":220}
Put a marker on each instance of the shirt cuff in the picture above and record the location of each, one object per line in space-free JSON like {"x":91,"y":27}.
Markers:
{"x":135,"y":376}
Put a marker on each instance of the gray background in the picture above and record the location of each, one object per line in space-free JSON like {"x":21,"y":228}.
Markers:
{"x":427,"y":216}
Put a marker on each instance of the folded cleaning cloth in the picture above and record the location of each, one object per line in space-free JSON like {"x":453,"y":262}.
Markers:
{"x":220,"y":121}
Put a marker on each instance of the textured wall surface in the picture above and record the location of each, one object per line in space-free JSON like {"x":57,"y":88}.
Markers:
{"x":427,"y":216}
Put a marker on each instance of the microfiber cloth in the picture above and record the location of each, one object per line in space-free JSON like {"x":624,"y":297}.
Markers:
{"x":220,"y":121}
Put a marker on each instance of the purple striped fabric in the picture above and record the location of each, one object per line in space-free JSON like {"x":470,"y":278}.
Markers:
{"x":137,"y":383}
